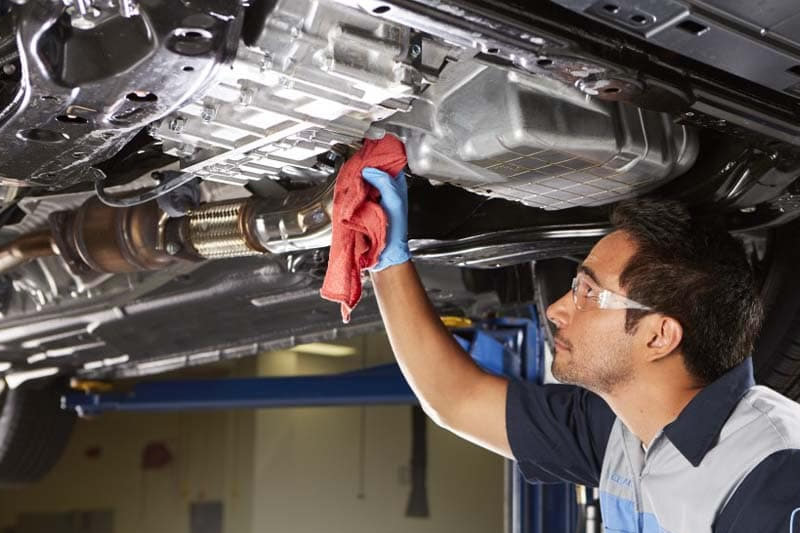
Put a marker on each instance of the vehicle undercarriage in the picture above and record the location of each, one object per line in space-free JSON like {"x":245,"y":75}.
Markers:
{"x":164,"y":156}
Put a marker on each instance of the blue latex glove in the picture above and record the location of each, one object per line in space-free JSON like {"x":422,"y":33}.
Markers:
{"x":394,"y":201}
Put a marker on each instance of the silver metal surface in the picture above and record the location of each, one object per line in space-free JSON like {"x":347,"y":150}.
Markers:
{"x":299,"y":221}
{"x":509,"y":247}
{"x":318,"y":75}
{"x":518,"y":122}
{"x":302,"y":222}
{"x":215,"y":231}
{"x":86,"y":90}
{"x":504,"y":134}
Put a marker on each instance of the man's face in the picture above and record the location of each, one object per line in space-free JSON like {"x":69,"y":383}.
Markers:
{"x":592,"y":348}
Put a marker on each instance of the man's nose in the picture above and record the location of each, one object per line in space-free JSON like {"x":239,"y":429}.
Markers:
{"x":560,"y":311}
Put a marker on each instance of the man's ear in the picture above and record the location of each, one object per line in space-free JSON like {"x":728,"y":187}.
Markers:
{"x":664,"y":335}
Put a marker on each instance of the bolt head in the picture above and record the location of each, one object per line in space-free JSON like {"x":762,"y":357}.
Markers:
{"x":177,"y":124}
{"x":246,"y":96}
{"x":209,"y":113}
{"x":327,"y":63}
{"x":173,"y":248}
{"x":81,"y":23}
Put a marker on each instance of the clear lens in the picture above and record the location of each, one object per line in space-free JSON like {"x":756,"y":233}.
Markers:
{"x":583,"y":292}
{"x":580,"y":292}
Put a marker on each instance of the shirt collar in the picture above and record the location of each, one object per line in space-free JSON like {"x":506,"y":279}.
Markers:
{"x":697,"y":428}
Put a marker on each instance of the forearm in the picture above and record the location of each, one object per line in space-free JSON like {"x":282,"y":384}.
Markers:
{"x":437,"y":369}
{"x":452,"y":389}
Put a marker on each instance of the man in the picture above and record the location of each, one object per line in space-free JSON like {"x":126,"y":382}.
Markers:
{"x":654,"y":339}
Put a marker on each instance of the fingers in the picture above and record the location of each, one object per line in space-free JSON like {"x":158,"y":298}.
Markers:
{"x":401,"y":185}
{"x":378,"y":179}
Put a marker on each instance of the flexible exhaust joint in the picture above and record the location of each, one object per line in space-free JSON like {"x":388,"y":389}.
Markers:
{"x":301,"y":221}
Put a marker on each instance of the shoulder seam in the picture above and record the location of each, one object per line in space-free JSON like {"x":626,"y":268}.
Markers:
{"x":783,"y":438}
{"x":785,"y":445}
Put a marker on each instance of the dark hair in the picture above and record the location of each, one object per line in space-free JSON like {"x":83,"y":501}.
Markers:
{"x":696,"y":273}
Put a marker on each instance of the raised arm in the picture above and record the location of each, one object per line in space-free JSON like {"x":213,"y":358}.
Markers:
{"x":453,"y":390}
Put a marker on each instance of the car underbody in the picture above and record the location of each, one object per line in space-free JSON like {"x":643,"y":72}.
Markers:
{"x":169,"y":167}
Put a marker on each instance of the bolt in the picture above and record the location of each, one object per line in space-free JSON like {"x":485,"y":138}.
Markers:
{"x":415,"y":51}
{"x":689,"y":114}
{"x":246,"y":96}
{"x":266,"y":63}
{"x":295,"y":32}
{"x":80,"y":22}
{"x":209,"y":113}
{"x":748,"y":210}
{"x":185,"y":150}
{"x":177,"y":124}
{"x":173,"y":248}
{"x":128,"y":8}
{"x":327,"y":63}
{"x":9,"y":69}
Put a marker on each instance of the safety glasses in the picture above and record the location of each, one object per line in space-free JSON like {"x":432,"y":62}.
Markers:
{"x":587,"y":294}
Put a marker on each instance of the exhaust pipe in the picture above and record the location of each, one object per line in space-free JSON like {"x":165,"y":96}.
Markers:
{"x":99,"y":238}
{"x":301,"y":221}
{"x":25,"y":248}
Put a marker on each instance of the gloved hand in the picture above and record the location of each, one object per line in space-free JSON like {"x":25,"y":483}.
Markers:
{"x":394,"y":201}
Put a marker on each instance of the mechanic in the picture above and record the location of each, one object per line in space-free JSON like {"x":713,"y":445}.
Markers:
{"x":660,"y":409}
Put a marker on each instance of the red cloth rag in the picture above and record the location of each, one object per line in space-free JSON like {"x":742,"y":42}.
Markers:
{"x":359,"y":223}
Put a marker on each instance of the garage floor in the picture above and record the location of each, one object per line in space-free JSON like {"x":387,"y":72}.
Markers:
{"x":283,"y":470}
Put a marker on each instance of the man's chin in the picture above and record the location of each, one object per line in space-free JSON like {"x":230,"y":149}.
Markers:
{"x":563,"y":373}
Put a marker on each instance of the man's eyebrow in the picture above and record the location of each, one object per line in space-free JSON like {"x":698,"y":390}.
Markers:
{"x":589,"y":272}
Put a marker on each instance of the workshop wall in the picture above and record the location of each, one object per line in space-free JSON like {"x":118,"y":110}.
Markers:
{"x":272,"y":470}
{"x":147,"y":469}
{"x":346,"y":469}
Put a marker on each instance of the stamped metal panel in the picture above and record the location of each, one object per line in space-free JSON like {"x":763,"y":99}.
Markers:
{"x":318,"y":74}
{"x":526,"y":138}
{"x":758,"y":41}
{"x":86,"y":91}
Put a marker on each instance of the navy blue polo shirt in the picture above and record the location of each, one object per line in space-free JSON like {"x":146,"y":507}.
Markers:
{"x":729,"y":463}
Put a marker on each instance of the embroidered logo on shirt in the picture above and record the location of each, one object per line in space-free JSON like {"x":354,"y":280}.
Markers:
{"x":620,"y":480}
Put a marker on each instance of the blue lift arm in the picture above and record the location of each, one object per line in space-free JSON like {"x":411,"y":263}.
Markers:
{"x":496,"y":350}
{"x":377,"y":385}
